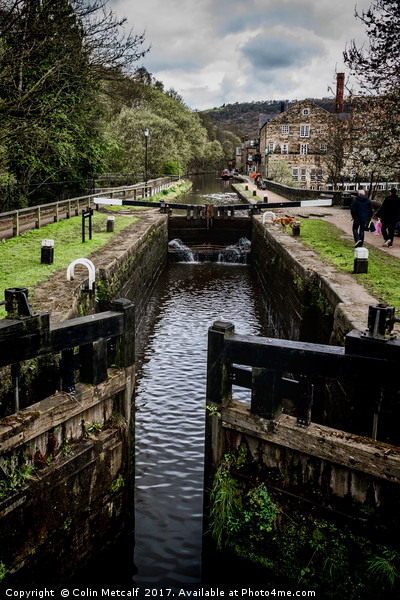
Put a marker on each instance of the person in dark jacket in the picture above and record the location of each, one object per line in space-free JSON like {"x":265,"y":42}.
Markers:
{"x":361,"y":211}
{"x":389,"y":215}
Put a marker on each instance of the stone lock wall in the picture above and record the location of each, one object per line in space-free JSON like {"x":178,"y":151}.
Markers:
{"x":76,"y":499}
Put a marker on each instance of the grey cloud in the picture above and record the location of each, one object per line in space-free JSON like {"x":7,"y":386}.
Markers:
{"x":231,"y":19}
{"x":157,"y":62}
{"x":267,"y":53}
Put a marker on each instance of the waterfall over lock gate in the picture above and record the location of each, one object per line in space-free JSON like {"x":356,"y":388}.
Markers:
{"x":238,"y":253}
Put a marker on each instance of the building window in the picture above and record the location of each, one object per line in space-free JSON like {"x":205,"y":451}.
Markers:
{"x":303,"y":148}
{"x":321,"y":129}
{"x":285,"y":149}
{"x":306,"y":111}
{"x":320,"y":174}
{"x":303,"y":175}
{"x":271,"y":146}
{"x":323,"y":147}
{"x":285,"y":129}
{"x":295,"y":174}
{"x":313,"y":176}
{"x":304,"y":131}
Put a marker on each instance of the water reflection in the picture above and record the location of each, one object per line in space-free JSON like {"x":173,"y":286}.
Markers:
{"x":169,"y":400}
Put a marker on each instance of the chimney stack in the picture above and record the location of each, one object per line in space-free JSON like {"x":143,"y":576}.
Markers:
{"x":339,"y":93}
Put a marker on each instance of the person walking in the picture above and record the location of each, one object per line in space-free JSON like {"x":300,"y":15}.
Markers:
{"x":389,"y":214}
{"x":361,"y":212}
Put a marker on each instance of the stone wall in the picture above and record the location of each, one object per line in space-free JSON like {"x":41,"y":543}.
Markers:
{"x":298,"y":194}
{"x":76,"y":500}
{"x":309,"y":300}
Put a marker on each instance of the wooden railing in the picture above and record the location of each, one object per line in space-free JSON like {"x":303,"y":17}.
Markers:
{"x":84,"y":342}
{"x":12,"y":223}
{"x":372,"y":356}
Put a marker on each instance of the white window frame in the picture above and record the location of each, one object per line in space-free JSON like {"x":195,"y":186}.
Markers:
{"x":323,"y":147}
{"x":306,"y":111}
{"x":303,"y":175}
{"x":295,"y":173}
{"x":313,"y":175}
{"x":285,"y":149}
{"x":304,"y":131}
{"x":271,"y":146}
{"x":321,"y":129}
{"x":285,"y":129}
{"x":303,"y":148}
{"x":320,"y":174}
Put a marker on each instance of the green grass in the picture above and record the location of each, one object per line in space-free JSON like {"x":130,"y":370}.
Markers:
{"x":383,"y":277}
{"x":20,"y":256}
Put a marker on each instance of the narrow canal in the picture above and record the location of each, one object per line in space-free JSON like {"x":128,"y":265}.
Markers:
{"x":166,"y":551}
{"x":169,"y":402}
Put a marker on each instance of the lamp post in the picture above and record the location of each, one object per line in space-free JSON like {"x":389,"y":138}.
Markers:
{"x":146,"y":137}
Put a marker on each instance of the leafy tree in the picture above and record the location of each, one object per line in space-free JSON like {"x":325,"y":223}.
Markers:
{"x":279,"y":171}
{"x":376,"y":69}
{"x":54,"y":54}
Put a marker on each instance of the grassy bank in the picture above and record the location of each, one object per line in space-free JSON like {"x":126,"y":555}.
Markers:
{"x":20,"y":257}
{"x":383,"y":277}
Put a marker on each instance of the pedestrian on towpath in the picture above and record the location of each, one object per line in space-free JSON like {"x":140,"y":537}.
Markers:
{"x":389,"y":214}
{"x":361,"y":212}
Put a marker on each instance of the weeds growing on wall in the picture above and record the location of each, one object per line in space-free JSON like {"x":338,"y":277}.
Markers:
{"x":294,"y":545}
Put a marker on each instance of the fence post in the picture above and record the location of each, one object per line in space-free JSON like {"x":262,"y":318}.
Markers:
{"x":265,"y":398}
{"x":56,"y":215}
{"x":16,"y":224}
{"x":219,"y":386}
{"x":37,"y":217}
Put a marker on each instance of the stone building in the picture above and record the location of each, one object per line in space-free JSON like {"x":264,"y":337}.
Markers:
{"x":298,"y":136}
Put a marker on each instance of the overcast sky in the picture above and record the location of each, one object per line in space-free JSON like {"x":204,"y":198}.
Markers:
{"x":223,"y":51}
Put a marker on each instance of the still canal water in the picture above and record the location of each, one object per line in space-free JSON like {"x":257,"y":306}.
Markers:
{"x":169,"y":401}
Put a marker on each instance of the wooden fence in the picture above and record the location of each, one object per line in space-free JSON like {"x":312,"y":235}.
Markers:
{"x":271,"y":360}
{"x":12,"y":223}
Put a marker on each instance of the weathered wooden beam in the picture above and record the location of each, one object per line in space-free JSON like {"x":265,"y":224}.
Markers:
{"x":317,"y":360}
{"x":51,"y":412}
{"x":342,"y":448}
{"x":23,"y":338}
{"x":29,"y":337}
{"x":85,"y":330}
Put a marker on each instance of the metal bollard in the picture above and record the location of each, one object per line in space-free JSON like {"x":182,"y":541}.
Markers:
{"x":47,"y":253}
